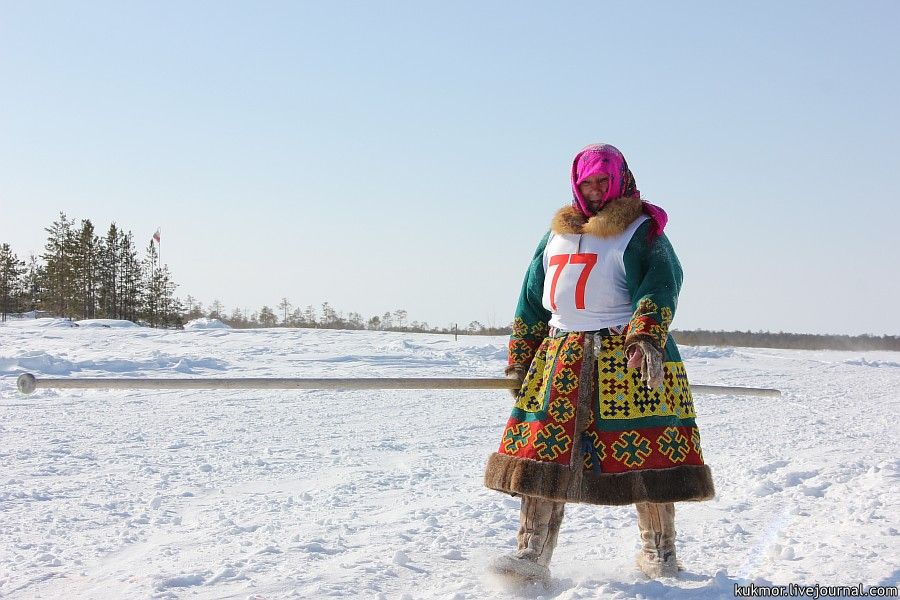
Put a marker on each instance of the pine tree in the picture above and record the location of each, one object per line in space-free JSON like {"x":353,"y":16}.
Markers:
{"x":329,"y":316}
{"x":355,"y":321}
{"x":194,"y":308}
{"x":85,"y":270}
{"x":309,"y":317}
{"x":171,"y":310}
{"x":173,"y":306}
{"x":32,"y":290}
{"x":284,"y":306}
{"x":130,"y":280}
{"x":216,"y":310}
{"x":153,"y":288}
{"x":159,"y":306}
{"x":267,"y":317}
{"x":59,"y":277}
{"x":108,"y":274}
{"x":12,"y":282}
{"x":237,"y":319}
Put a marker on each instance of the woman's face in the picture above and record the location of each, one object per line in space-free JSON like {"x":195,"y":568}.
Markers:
{"x":593,"y":189}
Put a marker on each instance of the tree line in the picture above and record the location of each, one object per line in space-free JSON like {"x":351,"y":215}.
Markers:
{"x":82,"y":275}
{"x":791,"y":341}
{"x":285,"y":314}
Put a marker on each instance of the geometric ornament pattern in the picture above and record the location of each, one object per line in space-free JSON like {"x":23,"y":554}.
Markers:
{"x":673,"y":444}
{"x":631,"y":448}
{"x":516,"y":437}
{"x":543,"y":425}
{"x":551,"y":441}
{"x":624,"y":396}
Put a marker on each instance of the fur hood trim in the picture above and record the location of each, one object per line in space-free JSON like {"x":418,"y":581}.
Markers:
{"x":612,"y":219}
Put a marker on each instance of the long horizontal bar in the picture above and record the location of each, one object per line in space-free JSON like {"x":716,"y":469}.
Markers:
{"x":731,"y":390}
{"x":28,"y":383}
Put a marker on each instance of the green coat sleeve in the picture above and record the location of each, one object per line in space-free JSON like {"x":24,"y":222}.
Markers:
{"x":530,"y":322}
{"x":653,"y":275}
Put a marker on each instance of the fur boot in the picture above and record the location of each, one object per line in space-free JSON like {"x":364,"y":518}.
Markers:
{"x":657,"y":526}
{"x":539,"y":522}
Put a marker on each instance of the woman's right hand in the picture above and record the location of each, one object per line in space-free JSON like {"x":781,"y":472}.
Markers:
{"x":644,"y":356}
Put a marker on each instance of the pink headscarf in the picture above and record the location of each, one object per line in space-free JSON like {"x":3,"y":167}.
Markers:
{"x":604,"y":159}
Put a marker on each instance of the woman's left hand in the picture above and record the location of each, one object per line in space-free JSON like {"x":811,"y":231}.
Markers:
{"x":516,"y":373}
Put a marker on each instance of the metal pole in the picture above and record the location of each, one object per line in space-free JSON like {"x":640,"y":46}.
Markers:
{"x":726,"y":390}
{"x":28,"y":383}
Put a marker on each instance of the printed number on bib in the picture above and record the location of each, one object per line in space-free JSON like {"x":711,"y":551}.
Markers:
{"x":560,"y":261}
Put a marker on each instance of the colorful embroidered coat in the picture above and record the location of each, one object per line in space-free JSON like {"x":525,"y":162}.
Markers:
{"x":584,"y":427}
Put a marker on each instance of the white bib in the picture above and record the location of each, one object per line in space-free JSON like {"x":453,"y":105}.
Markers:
{"x":584,"y":280}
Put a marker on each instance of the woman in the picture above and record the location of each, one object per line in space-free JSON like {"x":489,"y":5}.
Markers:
{"x":604,"y":413}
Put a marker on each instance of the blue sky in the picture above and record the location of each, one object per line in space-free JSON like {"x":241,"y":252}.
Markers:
{"x":411,"y":154}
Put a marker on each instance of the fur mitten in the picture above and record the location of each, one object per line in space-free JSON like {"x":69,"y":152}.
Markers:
{"x":644,"y":355}
{"x":517,"y":373}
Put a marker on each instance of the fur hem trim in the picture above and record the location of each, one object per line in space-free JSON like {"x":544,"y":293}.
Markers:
{"x":526,"y":477}
{"x":612,"y":219}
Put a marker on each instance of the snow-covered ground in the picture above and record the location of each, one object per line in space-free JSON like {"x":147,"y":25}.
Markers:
{"x":309,"y":494}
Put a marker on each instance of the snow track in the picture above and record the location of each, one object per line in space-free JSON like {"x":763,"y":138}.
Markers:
{"x":314,"y":494}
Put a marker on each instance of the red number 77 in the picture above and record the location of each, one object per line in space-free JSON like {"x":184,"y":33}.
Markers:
{"x":560,"y":261}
